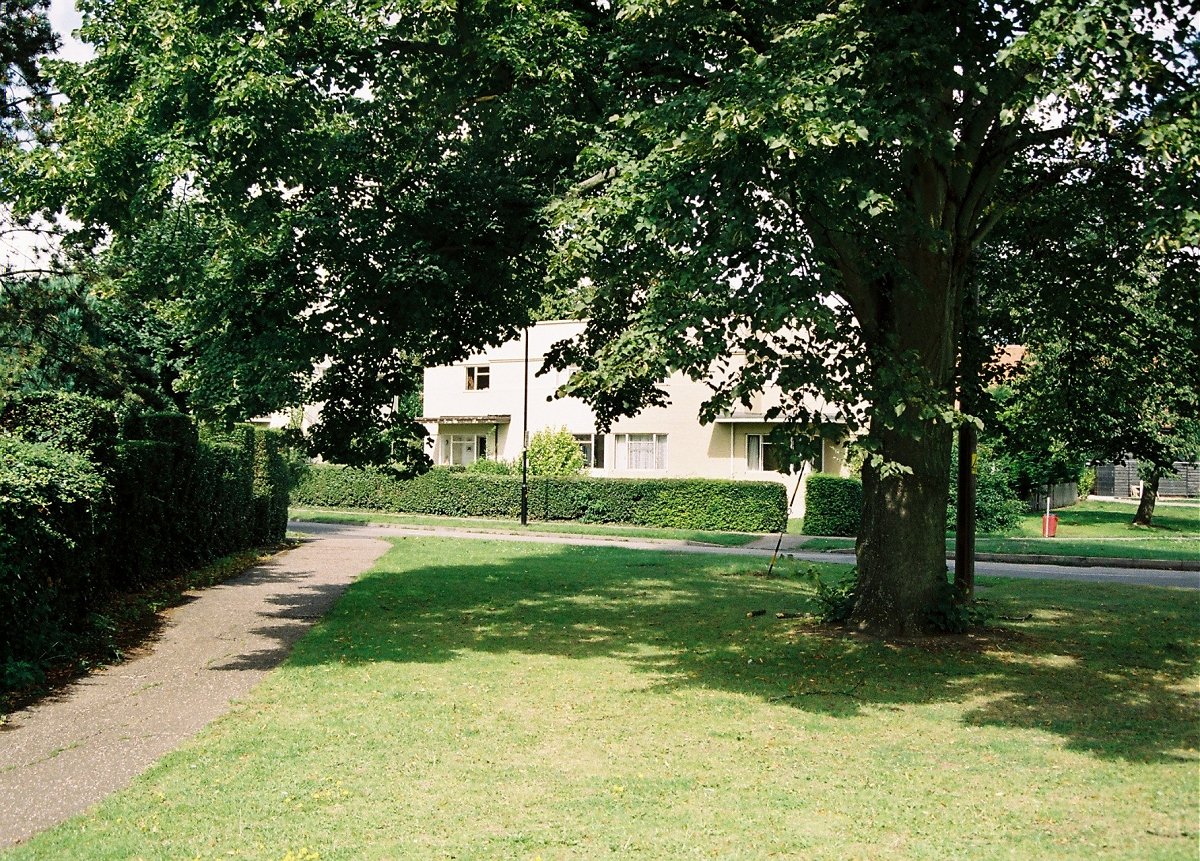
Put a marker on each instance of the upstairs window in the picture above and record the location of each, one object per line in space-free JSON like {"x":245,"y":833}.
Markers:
{"x":479,"y":377}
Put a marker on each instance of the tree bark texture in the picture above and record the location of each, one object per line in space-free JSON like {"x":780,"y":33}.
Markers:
{"x":1145,"y":512}
{"x":902,"y":541}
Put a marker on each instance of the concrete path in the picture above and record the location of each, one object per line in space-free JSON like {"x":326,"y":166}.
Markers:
{"x":67,"y":753}
{"x":1091,"y":574}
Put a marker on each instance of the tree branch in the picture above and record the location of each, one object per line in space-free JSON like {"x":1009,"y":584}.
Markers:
{"x":594,"y":181}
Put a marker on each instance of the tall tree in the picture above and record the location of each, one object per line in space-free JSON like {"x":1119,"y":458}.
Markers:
{"x":55,"y":333}
{"x":1123,"y":378}
{"x":778,"y":191}
{"x":807,"y":185}
{"x":25,"y":39}
{"x":346,"y":185}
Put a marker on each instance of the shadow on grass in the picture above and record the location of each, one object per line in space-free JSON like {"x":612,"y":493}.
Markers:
{"x":1110,"y":669}
{"x":1117,"y":519}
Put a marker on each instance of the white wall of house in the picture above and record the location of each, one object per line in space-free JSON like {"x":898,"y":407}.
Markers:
{"x":465,"y":415}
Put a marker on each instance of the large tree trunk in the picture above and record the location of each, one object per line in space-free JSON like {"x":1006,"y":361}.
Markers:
{"x":1145,"y":512}
{"x":902,"y":541}
{"x":912,"y":318}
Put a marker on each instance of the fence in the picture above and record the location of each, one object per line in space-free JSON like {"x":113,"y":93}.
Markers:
{"x":1122,"y":480}
{"x":1061,"y":495}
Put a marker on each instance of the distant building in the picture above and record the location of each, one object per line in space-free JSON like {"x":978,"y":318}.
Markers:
{"x":473,"y":409}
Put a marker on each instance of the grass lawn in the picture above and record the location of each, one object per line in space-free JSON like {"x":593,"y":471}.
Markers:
{"x":478,"y":700}
{"x":1088,"y":529}
{"x":484,"y":524}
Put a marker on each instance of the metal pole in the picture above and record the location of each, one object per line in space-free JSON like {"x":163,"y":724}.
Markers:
{"x":791,"y":502}
{"x":525,"y":441}
{"x":964,"y":534}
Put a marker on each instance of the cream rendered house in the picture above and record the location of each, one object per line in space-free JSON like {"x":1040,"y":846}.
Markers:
{"x":473,"y":409}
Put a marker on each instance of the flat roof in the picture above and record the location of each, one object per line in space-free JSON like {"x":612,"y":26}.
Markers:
{"x":465,"y":420}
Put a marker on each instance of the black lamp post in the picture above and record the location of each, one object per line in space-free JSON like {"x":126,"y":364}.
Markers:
{"x":525,"y":441}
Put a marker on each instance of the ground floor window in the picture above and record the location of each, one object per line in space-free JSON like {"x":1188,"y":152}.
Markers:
{"x":762,"y":455}
{"x":463,"y":449}
{"x":641,"y":451}
{"x":591,"y":445}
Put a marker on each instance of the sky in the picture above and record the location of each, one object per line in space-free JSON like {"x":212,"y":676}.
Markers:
{"x":22,"y":249}
{"x":65,"y":20}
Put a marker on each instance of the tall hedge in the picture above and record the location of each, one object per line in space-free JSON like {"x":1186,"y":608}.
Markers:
{"x":688,"y":503}
{"x":51,"y":512}
{"x":270,"y":487}
{"x":832,"y":505}
{"x":117,"y":513}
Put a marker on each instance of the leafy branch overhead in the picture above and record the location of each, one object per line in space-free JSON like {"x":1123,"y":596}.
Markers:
{"x":785,"y":193}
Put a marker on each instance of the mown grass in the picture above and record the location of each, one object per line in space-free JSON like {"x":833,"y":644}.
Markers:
{"x":478,"y":700}
{"x":484,"y":524}
{"x":1093,"y":529}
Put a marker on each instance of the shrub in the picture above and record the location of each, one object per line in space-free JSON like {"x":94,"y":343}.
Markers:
{"x":555,"y":453}
{"x":832,"y":505}
{"x":835,"y":602}
{"x":68,"y":421}
{"x":997,"y":508}
{"x":50,"y":513}
{"x":1087,"y":482}
{"x":748,"y":506}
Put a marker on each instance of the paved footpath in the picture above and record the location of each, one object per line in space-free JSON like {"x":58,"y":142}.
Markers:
{"x":65,"y":754}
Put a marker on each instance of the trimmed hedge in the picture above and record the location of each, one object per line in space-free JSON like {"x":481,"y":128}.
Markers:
{"x":74,"y":530}
{"x":832,"y":505}
{"x":69,"y":421}
{"x":270,"y":487}
{"x":685,"y":503}
{"x":51,"y":510}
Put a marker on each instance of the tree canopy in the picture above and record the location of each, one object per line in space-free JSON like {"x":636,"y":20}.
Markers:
{"x":779,"y":191}
{"x":1122,"y":376}
{"x":809,"y":186}
{"x":347,"y":186}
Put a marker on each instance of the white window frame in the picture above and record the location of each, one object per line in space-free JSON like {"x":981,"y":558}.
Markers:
{"x":762,"y":442}
{"x":477,"y":374}
{"x":471,"y":443}
{"x":658,"y":451}
{"x":591,"y":445}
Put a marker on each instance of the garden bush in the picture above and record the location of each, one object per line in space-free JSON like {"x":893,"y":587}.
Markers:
{"x":745,"y":506}
{"x":555,"y":453}
{"x":51,"y":510}
{"x":997,"y":506}
{"x":72,"y":422}
{"x":832,"y":505}
{"x":115,"y":515}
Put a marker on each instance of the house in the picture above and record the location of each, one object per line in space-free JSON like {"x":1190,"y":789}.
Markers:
{"x":474,"y":409}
